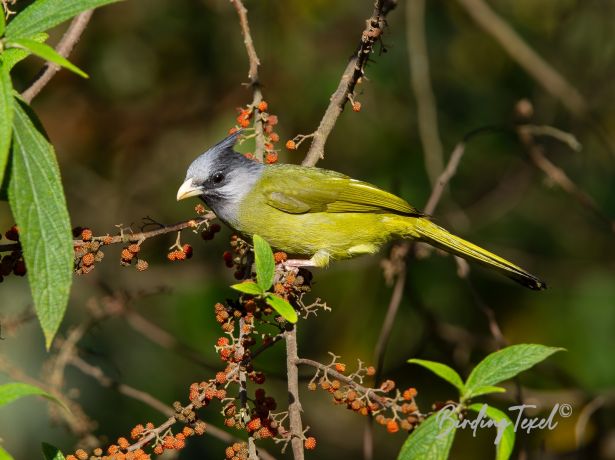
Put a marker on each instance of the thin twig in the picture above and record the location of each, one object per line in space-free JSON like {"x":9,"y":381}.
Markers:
{"x":427,"y":116}
{"x":254,"y":61}
{"x":525,"y":56}
{"x":64,"y":48}
{"x":294,"y":404}
{"x":350,"y":78}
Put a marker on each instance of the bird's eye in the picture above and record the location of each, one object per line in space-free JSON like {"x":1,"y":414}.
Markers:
{"x":218,"y":177}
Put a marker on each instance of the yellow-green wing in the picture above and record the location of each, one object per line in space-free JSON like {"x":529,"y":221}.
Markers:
{"x":298,"y":190}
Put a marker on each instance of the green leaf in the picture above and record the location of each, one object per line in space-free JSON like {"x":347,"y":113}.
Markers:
{"x":46,"y":52}
{"x":265,"y":264}
{"x":505,"y":438}
{"x":39,"y":207}
{"x":44,"y":14}
{"x":505,"y":364}
{"x":432,"y":439}
{"x":52,"y":453}
{"x":248,"y":288}
{"x":487,"y":389}
{"x":280,"y":305}
{"x":2,"y":22}
{"x":6,"y":116}
{"x":4,"y":455}
{"x":441,"y":370}
{"x":10,"y":392}
{"x":12,"y":56}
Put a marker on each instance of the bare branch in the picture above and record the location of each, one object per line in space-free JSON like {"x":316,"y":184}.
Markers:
{"x":294,"y":405}
{"x":421,"y":85}
{"x":525,"y":56}
{"x":350,"y":78}
{"x":64,"y":48}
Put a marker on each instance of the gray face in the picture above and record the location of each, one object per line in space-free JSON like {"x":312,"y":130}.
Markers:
{"x":223,"y":178}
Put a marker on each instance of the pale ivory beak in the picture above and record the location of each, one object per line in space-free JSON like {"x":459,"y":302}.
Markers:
{"x":187,"y":190}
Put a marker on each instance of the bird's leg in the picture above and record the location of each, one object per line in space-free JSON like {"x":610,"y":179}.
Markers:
{"x":320,"y":259}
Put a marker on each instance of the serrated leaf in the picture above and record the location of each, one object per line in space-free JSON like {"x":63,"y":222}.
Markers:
{"x":248,"y":288}
{"x":505,"y":437}
{"x":280,"y":305}
{"x":12,"y":56}
{"x":13,"y":391}
{"x":265,"y":264}
{"x":433,"y":438}
{"x":52,"y":453}
{"x":4,"y":455}
{"x":505,"y":364}
{"x":47,"y":53}
{"x":44,"y":14}
{"x":487,"y":389}
{"x":441,"y":370}
{"x":39,"y":207}
{"x":6,"y":116}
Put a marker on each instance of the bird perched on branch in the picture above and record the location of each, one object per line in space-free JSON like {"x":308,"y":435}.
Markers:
{"x":320,"y":214}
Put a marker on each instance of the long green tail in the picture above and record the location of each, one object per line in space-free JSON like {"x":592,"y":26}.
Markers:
{"x":439,"y":237}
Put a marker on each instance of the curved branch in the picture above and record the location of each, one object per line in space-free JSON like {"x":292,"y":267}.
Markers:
{"x":64,"y":48}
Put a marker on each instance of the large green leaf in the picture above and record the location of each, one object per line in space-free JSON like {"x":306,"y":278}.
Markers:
{"x":12,"y":56}
{"x":280,"y":305}
{"x":6,"y":116}
{"x":42,"y":15}
{"x":46,"y":52}
{"x":441,"y":370}
{"x":52,"y":453}
{"x":265,"y":264}
{"x":38,"y":204}
{"x":505,"y":364}
{"x":505,"y":437}
{"x":432,"y":439}
{"x":10,"y":392}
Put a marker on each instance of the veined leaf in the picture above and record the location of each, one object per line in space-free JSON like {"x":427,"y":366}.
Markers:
{"x":505,"y":437}
{"x":44,"y":14}
{"x":265,"y":264}
{"x":280,"y":305}
{"x":52,"y":453}
{"x":10,"y":392}
{"x":505,"y":364}
{"x":441,"y":370}
{"x":39,"y":207}
{"x":12,"y":56}
{"x":248,"y":288}
{"x":487,"y":389}
{"x":6,"y":115}
{"x":433,"y":438}
{"x":47,"y":53}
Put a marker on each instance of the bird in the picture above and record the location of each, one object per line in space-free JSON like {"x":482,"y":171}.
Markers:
{"x":319,"y":214}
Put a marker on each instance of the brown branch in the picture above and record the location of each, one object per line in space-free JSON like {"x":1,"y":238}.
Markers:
{"x":294,"y":405}
{"x":525,"y":56}
{"x":352,"y":75}
{"x":64,"y":48}
{"x":421,"y":85}
{"x":257,"y":95}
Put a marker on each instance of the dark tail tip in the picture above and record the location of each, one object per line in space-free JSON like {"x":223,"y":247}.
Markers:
{"x":530,"y":281}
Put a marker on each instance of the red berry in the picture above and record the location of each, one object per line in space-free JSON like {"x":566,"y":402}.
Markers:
{"x":291,"y":145}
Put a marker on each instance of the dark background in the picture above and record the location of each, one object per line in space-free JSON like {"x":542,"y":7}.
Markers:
{"x":165,"y":79}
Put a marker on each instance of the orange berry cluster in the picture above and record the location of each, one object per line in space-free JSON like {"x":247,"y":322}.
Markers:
{"x":88,"y":252}
{"x":13,"y":262}
{"x":180,"y":254}
{"x":238,"y":451}
{"x":268,"y":121}
{"x":114,"y":452}
{"x":130,"y":253}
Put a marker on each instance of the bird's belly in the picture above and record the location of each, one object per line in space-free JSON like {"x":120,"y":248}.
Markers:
{"x":341,"y":235}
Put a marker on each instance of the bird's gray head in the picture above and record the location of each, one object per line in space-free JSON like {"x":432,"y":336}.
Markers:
{"x":221,"y":177}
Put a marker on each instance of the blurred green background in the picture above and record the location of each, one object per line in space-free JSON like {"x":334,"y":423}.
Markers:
{"x":165,"y":79}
